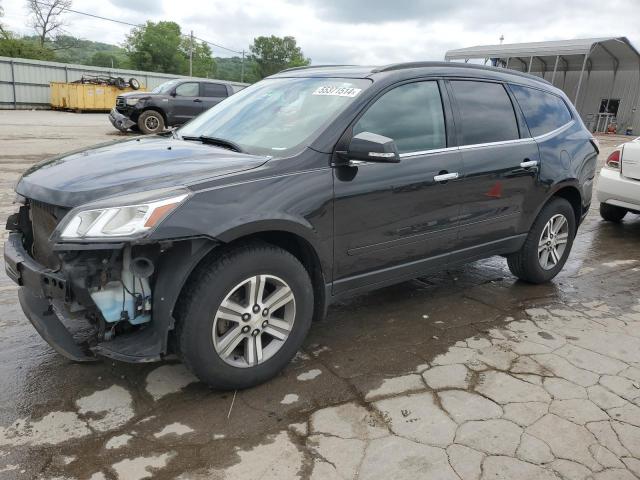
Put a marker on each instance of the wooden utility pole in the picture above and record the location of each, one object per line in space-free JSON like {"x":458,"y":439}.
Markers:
{"x":191,"y":54}
{"x":242,"y":67}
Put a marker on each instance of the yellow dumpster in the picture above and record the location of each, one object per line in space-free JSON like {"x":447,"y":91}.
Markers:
{"x":85,"y":96}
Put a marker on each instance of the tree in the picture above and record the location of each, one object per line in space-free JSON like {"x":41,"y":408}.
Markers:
{"x":46,"y":17}
{"x":203,"y":63}
{"x":3,"y":31}
{"x":105,"y":59}
{"x":273,"y":54}
{"x":161,"y":47}
{"x":156,"y":47}
{"x":16,"y":47}
{"x":230,"y":68}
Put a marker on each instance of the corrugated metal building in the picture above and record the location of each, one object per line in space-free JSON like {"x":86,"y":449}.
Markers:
{"x":600,"y":75}
{"x":25,"y":83}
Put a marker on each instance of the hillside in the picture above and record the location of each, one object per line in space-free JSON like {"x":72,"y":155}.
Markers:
{"x":68,"y":49}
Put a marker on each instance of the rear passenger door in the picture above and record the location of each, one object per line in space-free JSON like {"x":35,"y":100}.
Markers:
{"x":500,"y":166}
{"x":212,"y":94}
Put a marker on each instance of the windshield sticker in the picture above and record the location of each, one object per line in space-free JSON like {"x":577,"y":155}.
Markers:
{"x":337,"y":91}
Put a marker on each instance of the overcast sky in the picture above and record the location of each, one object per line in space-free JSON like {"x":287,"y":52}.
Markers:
{"x":357,"y":31}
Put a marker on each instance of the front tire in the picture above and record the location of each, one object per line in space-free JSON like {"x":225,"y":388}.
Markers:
{"x":151,"y":122}
{"x":548,"y":243}
{"x":612,"y":213}
{"x":244,"y":316}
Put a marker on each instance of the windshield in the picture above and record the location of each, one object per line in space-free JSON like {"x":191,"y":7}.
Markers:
{"x":165,"y":87}
{"x":277,"y":116}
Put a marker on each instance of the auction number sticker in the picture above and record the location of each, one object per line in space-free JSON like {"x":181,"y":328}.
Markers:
{"x":337,"y":91}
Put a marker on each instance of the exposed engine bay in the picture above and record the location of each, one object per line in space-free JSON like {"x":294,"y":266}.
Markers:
{"x":109,"y":286}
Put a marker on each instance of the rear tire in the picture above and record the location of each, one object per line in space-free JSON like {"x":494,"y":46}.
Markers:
{"x":151,"y":122}
{"x":543,"y":255}
{"x":612,"y":213}
{"x":218,"y":305}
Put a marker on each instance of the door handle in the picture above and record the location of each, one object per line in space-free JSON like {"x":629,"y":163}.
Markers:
{"x":197,"y":100}
{"x":529,"y":164}
{"x":443,"y":177}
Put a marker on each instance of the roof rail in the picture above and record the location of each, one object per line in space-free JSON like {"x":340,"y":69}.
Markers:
{"x":402,"y":66}
{"x":312,"y":66}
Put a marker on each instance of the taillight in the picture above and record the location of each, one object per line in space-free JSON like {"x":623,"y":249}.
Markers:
{"x":613,"y":160}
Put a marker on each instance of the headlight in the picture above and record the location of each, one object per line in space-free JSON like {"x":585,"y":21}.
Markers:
{"x":129,"y":219}
{"x":132,"y":101}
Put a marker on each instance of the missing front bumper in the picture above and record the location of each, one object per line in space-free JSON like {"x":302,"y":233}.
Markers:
{"x":47,"y":323}
{"x":40,"y":287}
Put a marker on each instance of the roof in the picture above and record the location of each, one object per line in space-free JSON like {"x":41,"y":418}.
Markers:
{"x":603,"y":53}
{"x":429,"y":68}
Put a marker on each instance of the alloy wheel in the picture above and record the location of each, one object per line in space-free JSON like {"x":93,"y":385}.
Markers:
{"x":254,"y":321}
{"x":151,"y":123}
{"x":553,"y":241}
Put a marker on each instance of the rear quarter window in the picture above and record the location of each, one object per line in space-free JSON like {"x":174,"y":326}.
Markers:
{"x":485,"y":111}
{"x":544,"y":112}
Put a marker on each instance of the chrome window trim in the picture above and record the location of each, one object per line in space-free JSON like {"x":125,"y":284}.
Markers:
{"x":544,"y":136}
{"x":427,"y":152}
{"x":496,"y":144}
{"x":552,"y":133}
{"x":464,"y":147}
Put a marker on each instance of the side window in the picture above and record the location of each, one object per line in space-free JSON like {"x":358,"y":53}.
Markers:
{"x":486,"y":112}
{"x":191,"y":89}
{"x":543,"y":111}
{"x":410,"y":114}
{"x":214,"y":90}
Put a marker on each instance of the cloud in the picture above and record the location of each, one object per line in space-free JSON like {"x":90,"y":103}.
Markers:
{"x":362,"y":32}
{"x":382,"y":11}
{"x":148,"y":7}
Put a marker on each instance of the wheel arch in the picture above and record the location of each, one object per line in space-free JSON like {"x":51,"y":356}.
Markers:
{"x":301,"y":248}
{"x":572,"y":194}
{"x":567,"y":190}
{"x":284,"y":234}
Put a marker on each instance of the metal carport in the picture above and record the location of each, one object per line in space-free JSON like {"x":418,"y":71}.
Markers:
{"x":589,"y":71}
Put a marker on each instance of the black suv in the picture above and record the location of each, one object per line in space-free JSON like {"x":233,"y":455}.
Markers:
{"x":173,"y":103}
{"x":221,"y":241}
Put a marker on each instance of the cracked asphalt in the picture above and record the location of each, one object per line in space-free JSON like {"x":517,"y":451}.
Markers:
{"x":464,"y":375}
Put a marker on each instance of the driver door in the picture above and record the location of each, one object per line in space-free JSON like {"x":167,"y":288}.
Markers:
{"x":398,"y":220}
{"x":186,"y":102}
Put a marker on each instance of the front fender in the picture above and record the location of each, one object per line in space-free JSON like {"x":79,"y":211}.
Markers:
{"x":174,"y":268}
{"x":300,"y":227}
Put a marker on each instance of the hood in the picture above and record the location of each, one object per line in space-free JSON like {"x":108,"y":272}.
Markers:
{"x":117,"y":167}
{"x":138,"y":94}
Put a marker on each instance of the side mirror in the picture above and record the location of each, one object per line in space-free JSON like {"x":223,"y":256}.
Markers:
{"x":371,"y":147}
{"x":173,"y":93}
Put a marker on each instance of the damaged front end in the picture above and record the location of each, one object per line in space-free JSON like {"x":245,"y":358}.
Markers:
{"x":89,"y":296}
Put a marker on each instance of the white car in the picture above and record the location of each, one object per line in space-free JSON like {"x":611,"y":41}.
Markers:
{"x":618,"y":188}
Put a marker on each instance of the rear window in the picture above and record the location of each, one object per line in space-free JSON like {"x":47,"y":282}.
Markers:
{"x":214,"y":90}
{"x":486,"y":112}
{"x":544,"y":112}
